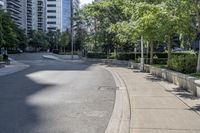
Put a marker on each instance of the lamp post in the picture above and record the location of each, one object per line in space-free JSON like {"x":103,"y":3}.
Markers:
{"x":72,"y":39}
{"x":142,"y":55}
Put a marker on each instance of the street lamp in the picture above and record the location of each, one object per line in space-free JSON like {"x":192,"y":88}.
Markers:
{"x":142,"y":55}
{"x":72,"y":39}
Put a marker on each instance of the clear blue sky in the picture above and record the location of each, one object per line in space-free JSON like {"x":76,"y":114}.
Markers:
{"x":85,"y":1}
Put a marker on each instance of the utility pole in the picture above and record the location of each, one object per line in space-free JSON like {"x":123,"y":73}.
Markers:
{"x":72,"y":32}
{"x":142,"y":55}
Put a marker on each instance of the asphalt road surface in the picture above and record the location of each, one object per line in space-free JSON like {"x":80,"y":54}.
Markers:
{"x":56,"y":97}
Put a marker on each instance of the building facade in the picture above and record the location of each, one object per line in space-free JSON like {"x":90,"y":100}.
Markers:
{"x":2,"y":4}
{"x":17,"y":11}
{"x":27,"y":14}
{"x":39,"y":15}
{"x":54,"y":15}
{"x":59,"y":14}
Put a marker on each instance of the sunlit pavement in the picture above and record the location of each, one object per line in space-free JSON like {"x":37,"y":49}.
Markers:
{"x":54,"y":96}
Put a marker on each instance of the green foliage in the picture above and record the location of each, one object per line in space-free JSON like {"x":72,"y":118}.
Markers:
{"x":183,"y":63}
{"x":5,"y":57}
{"x":64,"y":39}
{"x":114,"y":24}
{"x":8,"y":36}
{"x":97,"y":55}
{"x":1,"y":58}
{"x":38,"y":39}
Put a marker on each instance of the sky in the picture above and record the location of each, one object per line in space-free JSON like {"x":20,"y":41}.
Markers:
{"x":85,"y":1}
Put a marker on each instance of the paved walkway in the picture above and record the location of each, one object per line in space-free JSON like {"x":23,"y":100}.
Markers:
{"x":12,"y":68}
{"x":158,"y":106}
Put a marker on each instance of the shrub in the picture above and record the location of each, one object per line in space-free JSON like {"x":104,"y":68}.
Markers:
{"x":97,"y":55}
{"x":5,"y":57}
{"x":1,"y":58}
{"x":185,"y":63}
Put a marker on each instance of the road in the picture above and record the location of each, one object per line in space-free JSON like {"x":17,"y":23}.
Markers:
{"x":56,"y":97}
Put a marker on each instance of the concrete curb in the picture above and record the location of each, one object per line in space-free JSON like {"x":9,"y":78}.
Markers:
{"x":50,"y":57}
{"x":120,"y":119}
{"x":13,"y":68}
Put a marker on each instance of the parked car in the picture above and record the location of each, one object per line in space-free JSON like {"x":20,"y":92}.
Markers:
{"x":176,"y":49}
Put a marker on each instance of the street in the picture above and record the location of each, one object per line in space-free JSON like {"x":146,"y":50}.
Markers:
{"x":54,"y":96}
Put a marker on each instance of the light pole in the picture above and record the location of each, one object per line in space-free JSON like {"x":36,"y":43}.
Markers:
{"x":142,"y":55}
{"x":72,"y":39}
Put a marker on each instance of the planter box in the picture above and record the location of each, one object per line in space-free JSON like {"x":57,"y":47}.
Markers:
{"x":108,"y":61}
{"x":2,"y":64}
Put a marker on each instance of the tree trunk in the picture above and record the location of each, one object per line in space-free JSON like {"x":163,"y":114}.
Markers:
{"x":151,"y":53}
{"x":198,"y":23}
{"x":198,"y":61}
{"x":147,"y":53}
{"x":169,"y":47}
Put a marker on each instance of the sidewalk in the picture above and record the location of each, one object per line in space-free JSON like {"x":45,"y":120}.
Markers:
{"x":158,"y":106}
{"x":12,"y":68}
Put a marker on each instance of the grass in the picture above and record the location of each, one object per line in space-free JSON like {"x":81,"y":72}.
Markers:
{"x":1,"y":58}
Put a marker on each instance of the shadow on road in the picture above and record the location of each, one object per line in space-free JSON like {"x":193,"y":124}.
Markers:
{"x":17,"y":115}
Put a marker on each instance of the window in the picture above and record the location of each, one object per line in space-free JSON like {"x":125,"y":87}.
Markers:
{"x":51,"y":11}
{"x":51,"y":5}
{"x":51,"y":16}
{"x":53,"y":22}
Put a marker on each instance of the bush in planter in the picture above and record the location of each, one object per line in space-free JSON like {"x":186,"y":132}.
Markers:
{"x":183,"y":63}
{"x":5,"y":57}
{"x":97,"y":55}
{"x":1,"y":58}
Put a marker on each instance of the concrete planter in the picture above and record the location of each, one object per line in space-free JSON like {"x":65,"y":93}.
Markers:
{"x":184,"y":81}
{"x":2,"y":64}
{"x":7,"y":62}
{"x":108,"y":61}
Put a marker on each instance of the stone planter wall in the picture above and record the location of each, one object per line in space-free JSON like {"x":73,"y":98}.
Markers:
{"x":184,"y":81}
{"x":108,"y":61}
{"x":2,"y":64}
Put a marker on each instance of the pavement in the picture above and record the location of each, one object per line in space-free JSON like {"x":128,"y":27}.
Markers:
{"x":54,"y":96}
{"x":14,"y":67}
{"x":157,"y":106}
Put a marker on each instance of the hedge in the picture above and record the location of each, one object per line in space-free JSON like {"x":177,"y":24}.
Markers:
{"x":159,"y":58}
{"x":1,"y":58}
{"x":184,"y":63}
{"x":97,"y":55}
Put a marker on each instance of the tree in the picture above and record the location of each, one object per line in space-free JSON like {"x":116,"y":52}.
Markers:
{"x":65,"y":39}
{"x":8,"y":35}
{"x":38,"y":40}
{"x":21,"y":37}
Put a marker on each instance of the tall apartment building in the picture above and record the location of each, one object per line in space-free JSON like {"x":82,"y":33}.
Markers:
{"x":54,"y":15}
{"x":39,"y":15}
{"x":2,"y":4}
{"x":16,"y":9}
{"x":59,"y":14}
{"x":27,"y":14}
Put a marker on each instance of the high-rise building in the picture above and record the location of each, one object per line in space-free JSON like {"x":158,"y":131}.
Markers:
{"x":39,"y":15}
{"x":66,"y":14}
{"x":17,"y":12}
{"x":28,"y":12}
{"x":2,"y":4}
{"x":59,"y":14}
{"x":54,"y":15}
